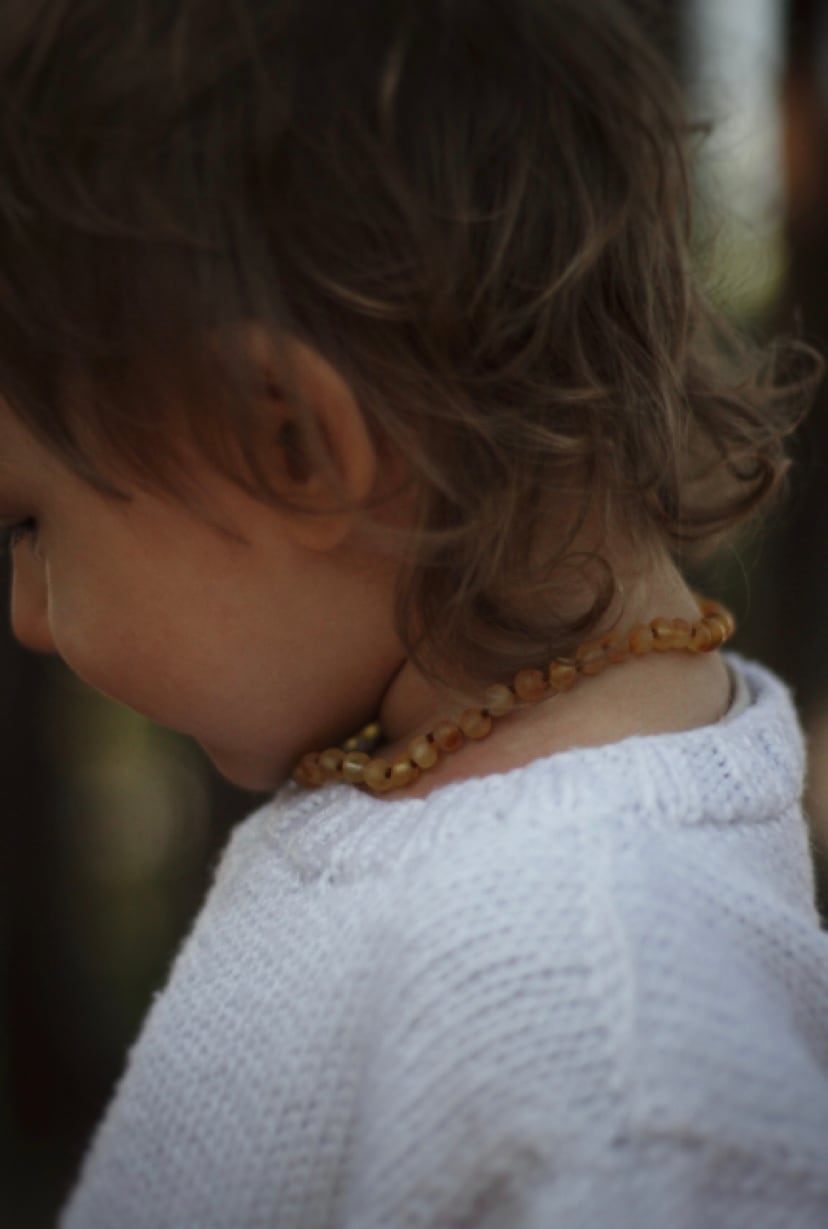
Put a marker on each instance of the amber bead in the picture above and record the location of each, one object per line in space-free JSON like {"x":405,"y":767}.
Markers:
{"x":681,"y":633}
{"x":376,"y":775}
{"x":530,"y":686}
{"x":590,"y":657}
{"x":353,"y":765}
{"x":722,"y":619}
{"x":562,"y":675}
{"x":475,"y":723}
{"x":403,"y":773}
{"x":448,"y":736}
{"x":616,"y":647}
{"x":701,"y":638}
{"x":330,"y":761}
{"x":727,"y":620}
{"x":309,"y":771}
{"x":716,"y":629}
{"x":500,"y":699}
{"x":642,"y":640}
{"x":422,"y":752}
{"x":662,"y":630}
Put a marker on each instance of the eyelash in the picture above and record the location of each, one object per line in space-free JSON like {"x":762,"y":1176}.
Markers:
{"x":12,"y":535}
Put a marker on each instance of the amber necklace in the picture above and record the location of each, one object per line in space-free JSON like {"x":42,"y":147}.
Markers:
{"x":354,"y":763}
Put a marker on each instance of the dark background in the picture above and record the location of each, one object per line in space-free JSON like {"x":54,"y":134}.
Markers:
{"x":112,"y":826}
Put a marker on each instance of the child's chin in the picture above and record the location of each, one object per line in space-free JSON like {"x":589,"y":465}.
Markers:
{"x":246,"y":771}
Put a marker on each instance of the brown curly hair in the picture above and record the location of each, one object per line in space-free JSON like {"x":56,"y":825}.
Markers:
{"x":477,"y":210}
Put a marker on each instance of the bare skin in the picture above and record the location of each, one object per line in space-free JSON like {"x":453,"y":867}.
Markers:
{"x":274,"y":635}
{"x":656,"y":694}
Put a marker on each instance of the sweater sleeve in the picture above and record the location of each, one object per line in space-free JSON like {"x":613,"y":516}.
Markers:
{"x":507,"y":1080}
{"x":497,"y":1044}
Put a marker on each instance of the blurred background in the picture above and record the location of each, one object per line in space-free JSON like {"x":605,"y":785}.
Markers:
{"x":112,"y":826}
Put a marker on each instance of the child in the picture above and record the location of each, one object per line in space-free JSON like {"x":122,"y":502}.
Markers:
{"x":354,"y":373}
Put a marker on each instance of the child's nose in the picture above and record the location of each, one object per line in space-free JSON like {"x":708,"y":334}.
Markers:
{"x":29,"y":602}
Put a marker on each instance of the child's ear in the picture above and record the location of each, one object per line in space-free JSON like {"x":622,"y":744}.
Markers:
{"x":326,"y":459}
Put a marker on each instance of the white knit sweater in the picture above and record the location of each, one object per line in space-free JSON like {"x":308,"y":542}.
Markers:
{"x":587,"y":993}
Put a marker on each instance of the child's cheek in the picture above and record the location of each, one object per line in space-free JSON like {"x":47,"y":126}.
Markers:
{"x":125,"y":661}
{"x":93,"y":644}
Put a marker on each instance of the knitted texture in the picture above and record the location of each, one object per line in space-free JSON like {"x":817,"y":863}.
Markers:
{"x":589,"y":992}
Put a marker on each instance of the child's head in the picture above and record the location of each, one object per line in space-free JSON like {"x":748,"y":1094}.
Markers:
{"x":472,"y":217}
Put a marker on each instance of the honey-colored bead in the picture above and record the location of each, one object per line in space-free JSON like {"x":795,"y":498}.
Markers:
{"x":717,"y":631}
{"x":376,"y":775}
{"x":422,"y":752}
{"x":700,"y":638}
{"x":562,"y":675}
{"x":721,"y":615}
{"x":500,"y":699}
{"x":403,"y":773}
{"x":353,"y":766}
{"x":447,"y":736}
{"x":330,"y":762}
{"x":681,"y":633}
{"x":616,"y":647}
{"x":727,"y":619}
{"x":308,"y":771}
{"x":590,"y":657}
{"x":475,"y":724}
{"x":723,"y":621}
{"x":530,"y":686}
{"x":662,"y":630}
{"x":642,"y":641}
{"x":370,"y":732}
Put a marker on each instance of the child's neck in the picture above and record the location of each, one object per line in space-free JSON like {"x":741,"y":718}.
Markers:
{"x":659,"y":693}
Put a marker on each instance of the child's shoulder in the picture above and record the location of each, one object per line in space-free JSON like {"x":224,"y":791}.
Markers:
{"x":555,"y":875}
{"x":513,"y":998}
{"x":562,"y":870}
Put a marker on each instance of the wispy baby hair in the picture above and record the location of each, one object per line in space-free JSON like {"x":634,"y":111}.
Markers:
{"x":477,"y":210}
